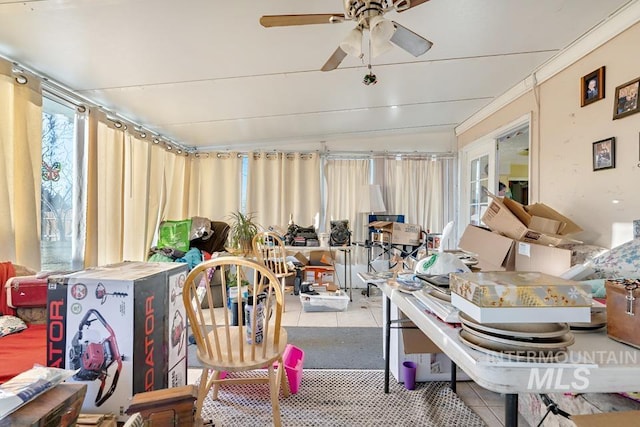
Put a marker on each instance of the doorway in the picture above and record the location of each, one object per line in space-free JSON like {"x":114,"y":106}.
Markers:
{"x":513,"y":164}
{"x":499,"y":164}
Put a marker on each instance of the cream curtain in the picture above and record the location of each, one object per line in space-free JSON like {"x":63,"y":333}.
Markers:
{"x":140,"y":203}
{"x":215,"y":188}
{"x":20,"y":168}
{"x":176,"y":181}
{"x":344,"y":182}
{"x":91,"y":220}
{"x":80,"y":153}
{"x":414,"y":187}
{"x":131,"y":186}
{"x":281,"y":185}
{"x":157,"y":191}
{"x":110,"y":188}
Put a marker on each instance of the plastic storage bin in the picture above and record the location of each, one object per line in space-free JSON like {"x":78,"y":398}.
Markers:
{"x":326,"y":301}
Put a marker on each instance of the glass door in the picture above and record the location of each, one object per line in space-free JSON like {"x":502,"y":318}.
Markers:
{"x":477,"y":178}
{"x":478,"y":186}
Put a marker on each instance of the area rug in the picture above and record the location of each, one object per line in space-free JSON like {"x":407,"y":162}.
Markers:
{"x":342,"y":398}
{"x":330,"y":348}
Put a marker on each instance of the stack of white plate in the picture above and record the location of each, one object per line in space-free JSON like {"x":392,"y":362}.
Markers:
{"x":598,"y":321}
{"x":540,"y":342}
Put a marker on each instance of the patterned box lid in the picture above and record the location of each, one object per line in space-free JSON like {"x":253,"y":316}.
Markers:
{"x":519,"y":289}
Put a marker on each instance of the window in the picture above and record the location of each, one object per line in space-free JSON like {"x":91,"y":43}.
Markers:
{"x":57,"y":185}
{"x":479,"y":182}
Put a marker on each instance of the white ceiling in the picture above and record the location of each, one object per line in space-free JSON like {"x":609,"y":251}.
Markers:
{"x":207,"y":75}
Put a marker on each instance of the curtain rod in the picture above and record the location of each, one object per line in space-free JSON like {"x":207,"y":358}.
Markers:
{"x":391,"y":155}
{"x":360,"y":155}
{"x":70,"y":97}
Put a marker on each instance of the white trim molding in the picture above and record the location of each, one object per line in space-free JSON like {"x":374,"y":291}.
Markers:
{"x":619,"y":21}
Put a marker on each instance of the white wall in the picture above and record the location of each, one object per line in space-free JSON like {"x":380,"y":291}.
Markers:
{"x":562,"y":136}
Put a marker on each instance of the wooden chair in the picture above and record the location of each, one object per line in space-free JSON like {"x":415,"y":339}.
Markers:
{"x":269,"y":250}
{"x":222,"y":347}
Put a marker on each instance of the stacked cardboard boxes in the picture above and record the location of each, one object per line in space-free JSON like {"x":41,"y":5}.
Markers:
{"x":521,"y":238}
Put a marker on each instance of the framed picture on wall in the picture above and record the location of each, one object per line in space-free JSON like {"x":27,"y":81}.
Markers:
{"x":604,"y":154}
{"x":626,"y":101}
{"x":592,"y":87}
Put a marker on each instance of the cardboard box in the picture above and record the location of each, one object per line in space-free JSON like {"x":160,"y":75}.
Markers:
{"x":433,"y":365}
{"x":414,"y":340}
{"x":319,"y":274}
{"x":607,"y":419}
{"x":123,"y":326}
{"x":545,"y":259}
{"x":517,"y":222}
{"x":493,"y":251}
{"x":300,"y":258}
{"x":320,"y":258}
{"x":399,"y":233}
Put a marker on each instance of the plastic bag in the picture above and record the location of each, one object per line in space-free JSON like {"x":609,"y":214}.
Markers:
{"x":441,"y":263}
{"x":200,"y":228}
{"x":174,"y":234}
{"x":26,"y":386}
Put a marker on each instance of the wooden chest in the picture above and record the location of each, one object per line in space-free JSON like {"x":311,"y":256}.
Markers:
{"x":167,"y":407}
{"x":623,"y":310}
{"x":58,"y":407}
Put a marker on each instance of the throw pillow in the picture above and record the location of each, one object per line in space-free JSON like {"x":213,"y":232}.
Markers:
{"x":10,"y":325}
{"x":620,"y":262}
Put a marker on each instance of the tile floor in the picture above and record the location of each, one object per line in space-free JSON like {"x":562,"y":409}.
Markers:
{"x":367,"y":311}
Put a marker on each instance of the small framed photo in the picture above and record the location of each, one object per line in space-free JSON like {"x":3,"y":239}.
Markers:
{"x":604,"y":154}
{"x":592,"y":87}
{"x":626,"y":102}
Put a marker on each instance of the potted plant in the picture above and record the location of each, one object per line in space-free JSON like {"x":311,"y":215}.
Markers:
{"x":241,"y":232}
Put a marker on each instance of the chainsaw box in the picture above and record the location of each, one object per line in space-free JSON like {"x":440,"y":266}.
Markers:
{"x":623,"y":310}
{"x":26,"y":291}
{"x":122,"y":327}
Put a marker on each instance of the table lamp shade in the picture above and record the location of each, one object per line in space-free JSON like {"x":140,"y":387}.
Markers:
{"x":371,"y":199}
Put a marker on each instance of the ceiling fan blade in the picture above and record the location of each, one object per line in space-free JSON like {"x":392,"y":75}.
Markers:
{"x":402,"y":6}
{"x":287,"y":20}
{"x":335,"y":60}
{"x":410,"y":41}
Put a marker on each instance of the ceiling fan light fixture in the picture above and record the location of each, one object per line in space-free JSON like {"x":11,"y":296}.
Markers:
{"x":381,"y":31}
{"x":379,"y":47}
{"x":352,"y":44}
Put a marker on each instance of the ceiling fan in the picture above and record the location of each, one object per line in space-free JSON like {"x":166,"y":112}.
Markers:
{"x":368,"y":14}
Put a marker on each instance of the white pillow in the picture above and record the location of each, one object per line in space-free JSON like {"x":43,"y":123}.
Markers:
{"x":10,"y":325}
